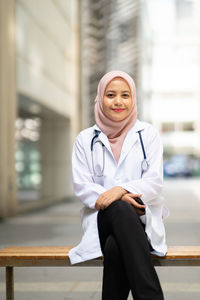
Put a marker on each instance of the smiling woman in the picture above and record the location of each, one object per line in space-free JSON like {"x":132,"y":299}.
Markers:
{"x":116,"y":108}
{"x":117,"y":100}
{"x":122,"y":213}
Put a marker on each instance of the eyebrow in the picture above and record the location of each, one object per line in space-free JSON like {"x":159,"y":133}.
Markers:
{"x":114,"y":91}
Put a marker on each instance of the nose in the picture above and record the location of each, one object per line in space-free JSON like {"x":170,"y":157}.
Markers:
{"x":118,"y":100}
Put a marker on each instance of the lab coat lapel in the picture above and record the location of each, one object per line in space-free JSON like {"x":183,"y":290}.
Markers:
{"x":103,"y":138}
{"x":105,"y":141}
{"x":131,"y":138}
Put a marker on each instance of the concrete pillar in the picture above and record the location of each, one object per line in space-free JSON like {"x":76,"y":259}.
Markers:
{"x":8,"y":199}
{"x":55,"y":149}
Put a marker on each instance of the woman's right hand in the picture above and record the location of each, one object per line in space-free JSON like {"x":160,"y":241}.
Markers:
{"x":106,"y":198}
{"x":130,"y":199}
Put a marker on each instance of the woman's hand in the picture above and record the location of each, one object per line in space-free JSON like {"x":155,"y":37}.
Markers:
{"x":106,"y":198}
{"x":130,"y":199}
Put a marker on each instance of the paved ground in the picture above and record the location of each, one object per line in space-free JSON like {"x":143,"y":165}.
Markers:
{"x":60,"y":225}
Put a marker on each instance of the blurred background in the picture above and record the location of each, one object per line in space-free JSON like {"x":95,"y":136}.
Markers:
{"x":52,"y":55}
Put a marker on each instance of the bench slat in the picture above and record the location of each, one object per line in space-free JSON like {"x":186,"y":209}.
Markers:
{"x":58,"y":256}
{"x":35,"y":252}
{"x":183,"y":252}
{"x":62,"y":252}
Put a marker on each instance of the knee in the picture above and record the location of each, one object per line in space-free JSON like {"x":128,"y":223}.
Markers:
{"x":122,"y":207}
{"x":111,"y":250}
{"x":118,"y":211}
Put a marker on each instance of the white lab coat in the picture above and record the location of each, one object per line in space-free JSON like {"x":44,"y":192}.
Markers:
{"x":127,"y":173}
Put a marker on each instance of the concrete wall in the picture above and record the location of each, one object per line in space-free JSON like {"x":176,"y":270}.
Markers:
{"x":47,"y":54}
{"x":8,"y":203}
{"x":39,"y":64}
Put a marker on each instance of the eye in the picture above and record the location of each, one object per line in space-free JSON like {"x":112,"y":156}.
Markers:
{"x":110,"y":95}
{"x":125,"y":95}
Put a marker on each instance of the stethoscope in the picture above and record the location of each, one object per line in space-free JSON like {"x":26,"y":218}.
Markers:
{"x":93,"y":142}
{"x":95,"y":139}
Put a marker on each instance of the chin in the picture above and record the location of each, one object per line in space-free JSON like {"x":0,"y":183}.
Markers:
{"x":117,"y":119}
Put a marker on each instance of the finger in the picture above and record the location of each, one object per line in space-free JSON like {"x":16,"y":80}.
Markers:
{"x":135,"y":195}
{"x":127,"y":199}
{"x":107,"y":203}
{"x":101,"y":206}
{"x":97,"y":207}
{"x":137,"y":204}
{"x":139,"y":212}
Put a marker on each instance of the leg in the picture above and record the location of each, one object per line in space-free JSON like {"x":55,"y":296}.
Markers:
{"x":115,"y":282}
{"x":134,"y":248}
{"x":9,"y":283}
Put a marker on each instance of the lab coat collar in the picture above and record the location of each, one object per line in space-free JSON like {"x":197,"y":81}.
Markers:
{"x":131,"y":138}
{"x":103,"y":138}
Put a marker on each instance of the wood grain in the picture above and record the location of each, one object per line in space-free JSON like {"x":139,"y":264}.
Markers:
{"x":52,"y":252}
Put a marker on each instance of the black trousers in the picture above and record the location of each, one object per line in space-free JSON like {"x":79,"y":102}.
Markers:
{"x":127,"y":259}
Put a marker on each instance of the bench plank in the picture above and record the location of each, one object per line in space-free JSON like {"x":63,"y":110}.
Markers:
{"x":183,"y":252}
{"x":58,"y":256}
{"x":31,"y":252}
{"x":52,"y":252}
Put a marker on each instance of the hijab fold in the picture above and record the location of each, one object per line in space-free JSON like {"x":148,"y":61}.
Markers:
{"x":115,"y":130}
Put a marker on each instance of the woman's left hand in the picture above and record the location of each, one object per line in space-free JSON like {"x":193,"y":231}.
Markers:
{"x":106,"y":198}
{"x":139,"y":208}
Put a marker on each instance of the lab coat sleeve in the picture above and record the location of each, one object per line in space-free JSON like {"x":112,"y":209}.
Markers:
{"x":151,"y":182}
{"x":84,"y":186}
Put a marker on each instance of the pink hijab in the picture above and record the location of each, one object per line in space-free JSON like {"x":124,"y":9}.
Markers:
{"x":115,"y":131}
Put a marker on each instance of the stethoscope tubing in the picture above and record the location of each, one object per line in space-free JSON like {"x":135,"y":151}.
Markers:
{"x":103,"y":149}
{"x":144,"y":164}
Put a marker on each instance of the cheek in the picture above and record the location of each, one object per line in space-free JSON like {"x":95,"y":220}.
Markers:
{"x":128,"y":103}
{"x":106,"y":104}
{"x":130,"y":106}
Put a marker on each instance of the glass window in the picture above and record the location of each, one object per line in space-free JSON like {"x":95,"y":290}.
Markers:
{"x":28,"y":160}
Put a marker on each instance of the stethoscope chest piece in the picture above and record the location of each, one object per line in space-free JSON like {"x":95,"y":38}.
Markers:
{"x":145,"y":165}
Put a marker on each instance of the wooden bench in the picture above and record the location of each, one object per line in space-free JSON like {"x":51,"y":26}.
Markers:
{"x":11,"y":257}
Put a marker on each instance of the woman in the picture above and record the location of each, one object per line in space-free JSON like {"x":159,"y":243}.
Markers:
{"x":117,"y":174}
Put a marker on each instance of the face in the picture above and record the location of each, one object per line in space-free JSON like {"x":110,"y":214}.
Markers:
{"x":117,"y":100}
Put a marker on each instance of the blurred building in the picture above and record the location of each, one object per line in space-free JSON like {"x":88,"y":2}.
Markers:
{"x":111,"y":40}
{"x":171,"y":73}
{"x":49,"y":77}
{"x":42,"y":82}
{"x":39,"y":101}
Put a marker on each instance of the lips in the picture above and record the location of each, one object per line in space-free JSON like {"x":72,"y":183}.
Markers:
{"x":118,"y":110}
